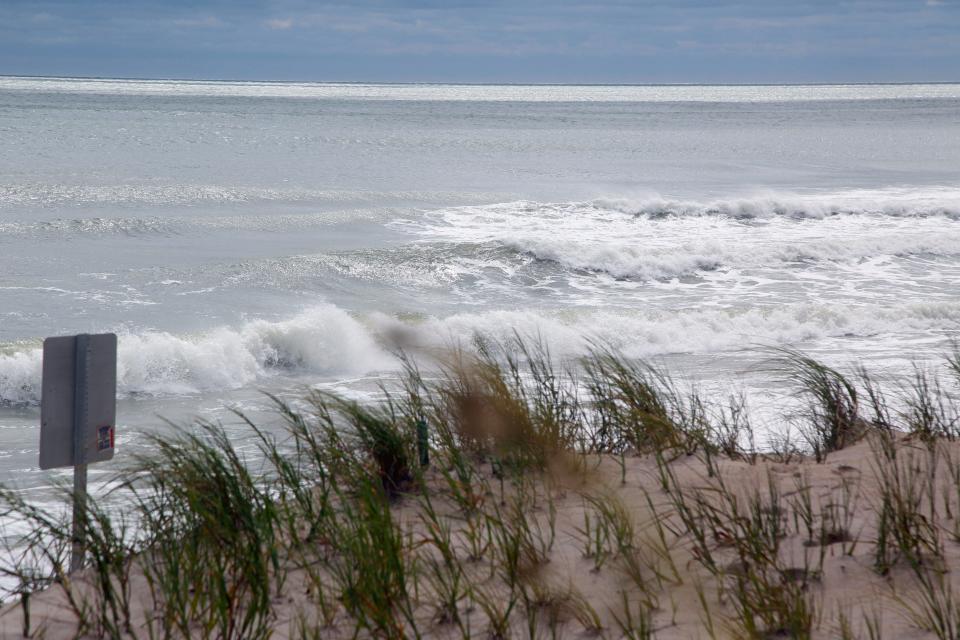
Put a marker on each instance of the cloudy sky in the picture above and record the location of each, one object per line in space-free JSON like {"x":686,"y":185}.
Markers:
{"x":630,"y":41}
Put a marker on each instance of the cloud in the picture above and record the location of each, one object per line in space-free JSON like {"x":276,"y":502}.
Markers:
{"x":279,"y":24}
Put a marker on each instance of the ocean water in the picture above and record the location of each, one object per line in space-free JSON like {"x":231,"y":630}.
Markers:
{"x":242,"y":237}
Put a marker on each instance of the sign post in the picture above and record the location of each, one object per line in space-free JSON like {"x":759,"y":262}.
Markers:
{"x":78,"y":411}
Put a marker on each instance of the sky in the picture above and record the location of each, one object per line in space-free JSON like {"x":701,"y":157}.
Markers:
{"x":556,"y":41}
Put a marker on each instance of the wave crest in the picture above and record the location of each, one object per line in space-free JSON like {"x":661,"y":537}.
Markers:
{"x":657,"y":238}
{"x":324,"y":340}
{"x":897,"y":202}
{"x":327,"y":342}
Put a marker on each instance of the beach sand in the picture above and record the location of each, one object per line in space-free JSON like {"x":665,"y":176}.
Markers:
{"x":833,"y":570}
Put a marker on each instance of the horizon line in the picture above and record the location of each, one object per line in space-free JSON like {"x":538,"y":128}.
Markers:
{"x":489,"y":84}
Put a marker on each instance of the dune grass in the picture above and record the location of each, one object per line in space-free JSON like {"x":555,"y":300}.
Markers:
{"x":336,"y":529}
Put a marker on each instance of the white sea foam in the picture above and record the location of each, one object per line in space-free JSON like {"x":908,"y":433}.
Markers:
{"x":656,"y":238}
{"x":20,"y":377}
{"x":886,"y":256}
{"x":645,"y":334}
{"x":937,"y":200}
{"x":324,"y":341}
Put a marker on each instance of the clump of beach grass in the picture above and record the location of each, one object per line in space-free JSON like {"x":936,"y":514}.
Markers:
{"x":212,"y":525}
{"x":832,"y":418}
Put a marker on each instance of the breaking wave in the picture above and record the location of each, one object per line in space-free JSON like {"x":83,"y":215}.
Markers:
{"x":657,"y":238}
{"x":646,"y":334}
{"x":328,"y":342}
{"x":324,"y":340}
{"x":902,"y":201}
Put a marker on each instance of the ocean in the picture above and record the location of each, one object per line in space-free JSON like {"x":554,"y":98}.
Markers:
{"x":243,"y":237}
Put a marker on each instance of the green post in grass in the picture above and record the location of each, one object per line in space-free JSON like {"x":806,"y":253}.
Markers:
{"x":423,"y":442}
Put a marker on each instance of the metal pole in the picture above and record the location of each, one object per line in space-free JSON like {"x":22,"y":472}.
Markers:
{"x":79,"y":450}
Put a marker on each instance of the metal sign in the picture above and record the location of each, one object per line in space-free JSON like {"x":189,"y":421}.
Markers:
{"x":78,"y":402}
{"x":78,"y":414}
